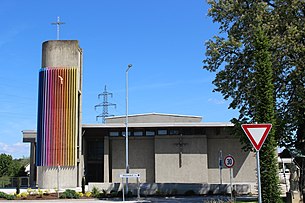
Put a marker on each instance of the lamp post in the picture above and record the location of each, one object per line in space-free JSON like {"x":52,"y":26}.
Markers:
{"x":126,"y":122}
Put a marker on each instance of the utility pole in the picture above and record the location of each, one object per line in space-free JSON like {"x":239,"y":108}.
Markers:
{"x":105,"y":105}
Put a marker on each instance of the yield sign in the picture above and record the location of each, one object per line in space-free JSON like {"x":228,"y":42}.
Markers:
{"x":257,"y":133}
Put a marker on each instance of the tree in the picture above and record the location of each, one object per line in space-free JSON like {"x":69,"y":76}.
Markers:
{"x":265,"y":113}
{"x":6,"y":162}
{"x":231,"y":55}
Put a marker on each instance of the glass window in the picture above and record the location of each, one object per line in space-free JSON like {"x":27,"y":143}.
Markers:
{"x":150,"y":133}
{"x":124,"y":133}
{"x":174,"y":132}
{"x":95,"y":149}
{"x":162,"y":132}
{"x":113,"y":133}
{"x":138,"y":133}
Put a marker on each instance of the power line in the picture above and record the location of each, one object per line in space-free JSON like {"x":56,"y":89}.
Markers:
{"x":105,"y":105}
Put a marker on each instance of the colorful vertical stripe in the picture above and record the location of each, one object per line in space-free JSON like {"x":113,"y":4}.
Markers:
{"x":57,"y":117}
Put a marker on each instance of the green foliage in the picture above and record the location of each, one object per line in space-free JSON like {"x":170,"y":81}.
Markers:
{"x":231,"y":54}
{"x":253,"y":73}
{"x":259,"y":58}
{"x":6,"y":162}
{"x":69,"y":194}
{"x":4,"y":180}
{"x":7,"y":196}
{"x":95,"y":192}
{"x":12,"y":167}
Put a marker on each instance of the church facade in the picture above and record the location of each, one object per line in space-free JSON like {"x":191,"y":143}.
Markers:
{"x":163,"y":148}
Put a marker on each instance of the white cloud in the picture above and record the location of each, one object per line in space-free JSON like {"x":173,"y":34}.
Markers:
{"x":17,"y":150}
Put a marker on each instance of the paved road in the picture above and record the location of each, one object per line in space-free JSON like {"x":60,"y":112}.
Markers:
{"x":117,"y":200}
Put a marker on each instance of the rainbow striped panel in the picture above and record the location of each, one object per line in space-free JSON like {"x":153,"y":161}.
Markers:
{"x":57,"y":117}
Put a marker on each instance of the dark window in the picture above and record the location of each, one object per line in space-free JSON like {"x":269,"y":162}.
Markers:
{"x":114,"y":134}
{"x":95,"y":149}
{"x":124,"y":133}
{"x":150,"y":133}
{"x":138,"y":133}
{"x":162,"y":132}
{"x":174,"y":132}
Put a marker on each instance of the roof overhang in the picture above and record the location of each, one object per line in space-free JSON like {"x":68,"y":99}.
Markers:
{"x":156,"y":125}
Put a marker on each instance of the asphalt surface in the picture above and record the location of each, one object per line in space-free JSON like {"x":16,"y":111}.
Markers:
{"x":198,"y":199}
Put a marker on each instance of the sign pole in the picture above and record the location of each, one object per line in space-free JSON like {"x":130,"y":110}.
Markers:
{"x":123,"y":192}
{"x":220,"y":166}
{"x":257,"y":134}
{"x":231,"y":177}
{"x":258,"y":177}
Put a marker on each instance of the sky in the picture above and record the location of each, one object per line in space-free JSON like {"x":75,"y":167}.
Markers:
{"x":164,"y":40}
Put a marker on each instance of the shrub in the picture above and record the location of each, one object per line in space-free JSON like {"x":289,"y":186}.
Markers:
{"x":95,"y":192}
{"x":40,"y":192}
{"x":7,"y":196}
{"x":88,"y":194}
{"x":69,"y":194}
{"x":29,"y":191}
{"x":24,"y":194}
{"x":189,"y":193}
{"x":174,"y":192}
{"x":10,"y":197}
{"x":46,"y":192}
{"x":114,"y":193}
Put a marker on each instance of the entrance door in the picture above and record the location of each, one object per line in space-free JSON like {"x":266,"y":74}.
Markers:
{"x":95,"y":160}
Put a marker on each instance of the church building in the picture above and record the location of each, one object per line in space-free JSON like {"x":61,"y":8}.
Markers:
{"x":163,"y":148}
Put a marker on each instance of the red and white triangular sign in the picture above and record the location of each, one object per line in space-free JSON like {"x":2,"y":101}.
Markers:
{"x":257,"y":133}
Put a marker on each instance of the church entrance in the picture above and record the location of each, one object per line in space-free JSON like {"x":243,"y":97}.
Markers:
{"x":94,"y":161}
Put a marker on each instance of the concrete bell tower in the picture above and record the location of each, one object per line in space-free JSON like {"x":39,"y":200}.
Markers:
{"x":58,"y":155}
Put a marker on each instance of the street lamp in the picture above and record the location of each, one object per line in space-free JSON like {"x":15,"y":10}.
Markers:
{"x":126,"y":119}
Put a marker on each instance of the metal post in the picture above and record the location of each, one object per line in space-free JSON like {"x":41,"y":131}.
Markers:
{"x":231,"y":185}
{"x":258,"y":177}
{"x":138,"y":191}
{"x":220,"y":166}
{"x":123,"y":189}
{"x":126,"y":120}
{"x":57,"y":181}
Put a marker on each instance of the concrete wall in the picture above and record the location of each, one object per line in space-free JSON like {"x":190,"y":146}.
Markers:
{"x":193,"y":159}
{"x":61,"y":53}
{"x":48,"y":177}
{"x":244,"y":169}
{"x":157,"y":158}
{"x":141,"y":157}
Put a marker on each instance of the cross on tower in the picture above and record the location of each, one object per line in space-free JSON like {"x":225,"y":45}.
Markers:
{"x":180,"y":144}
{"x":58,"y":23}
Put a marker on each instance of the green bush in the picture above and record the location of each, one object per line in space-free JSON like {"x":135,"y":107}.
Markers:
{"x":69,"y":194}
{"x":190,"y":193}
{"x":6,"y":196}
{"x":95,"y":192}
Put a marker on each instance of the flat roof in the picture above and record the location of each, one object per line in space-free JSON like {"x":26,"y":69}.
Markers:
{"x":154,"y":113}
{"x":147,"y":125}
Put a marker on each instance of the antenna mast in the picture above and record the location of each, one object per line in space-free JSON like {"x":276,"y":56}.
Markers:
{"x":105,"y":105}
